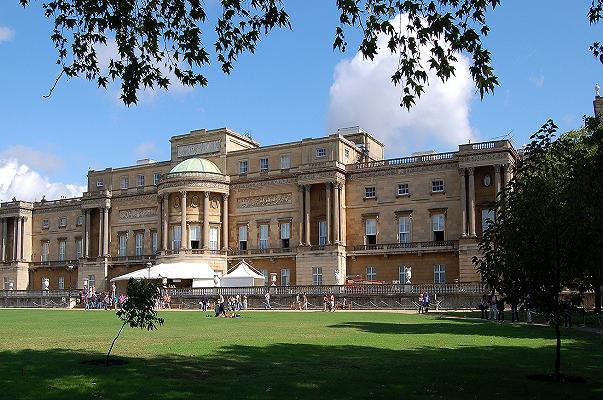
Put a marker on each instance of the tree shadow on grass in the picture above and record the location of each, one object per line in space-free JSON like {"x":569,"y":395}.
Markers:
{"x":460,"y":327}
{"x":303,"y":371}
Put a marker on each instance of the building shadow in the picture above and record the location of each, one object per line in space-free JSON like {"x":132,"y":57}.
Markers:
{"x":303,"y":371}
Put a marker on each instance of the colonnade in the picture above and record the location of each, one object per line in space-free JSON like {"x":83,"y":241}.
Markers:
{"x":334,"y":192}
{"x":18,"y":233}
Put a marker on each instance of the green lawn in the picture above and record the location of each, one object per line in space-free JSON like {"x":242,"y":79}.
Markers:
{"x":281,"y":355}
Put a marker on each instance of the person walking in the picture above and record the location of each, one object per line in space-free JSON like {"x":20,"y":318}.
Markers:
{"x":244,"y":302}
{"x":298,"y":301}
{"x":493,"y":309}
{"x":305,"y":301}
{"x":420,"y":303}
{"x":267,"y":305}
{"x":425,"y":302}
{"x":324,"y":303}
{"x":332,"y":302}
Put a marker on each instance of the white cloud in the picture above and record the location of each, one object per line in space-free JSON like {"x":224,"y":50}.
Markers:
{"x":20,"y":181}
{"x":34,"y":158}
{"x":363,"y":94}
{"x":6,"y":34}
{"x":537,"y":80}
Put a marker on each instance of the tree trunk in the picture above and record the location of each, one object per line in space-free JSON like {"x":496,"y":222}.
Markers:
{"x":113,"y":343}
{"x":597,"y":287}
{"x":558,"y":350}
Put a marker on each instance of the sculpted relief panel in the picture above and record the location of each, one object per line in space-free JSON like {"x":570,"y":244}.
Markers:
{"x":198,"y":148}
{"x":138,"y":213}
{"x":264,"y":201}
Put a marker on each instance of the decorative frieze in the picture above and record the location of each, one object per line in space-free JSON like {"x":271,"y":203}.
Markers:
{"x":265,"y":201}
{"x":198,"y":148}
{"x":403,"y":171}
{"x":262,"y":183}
{"x":138,"y":213}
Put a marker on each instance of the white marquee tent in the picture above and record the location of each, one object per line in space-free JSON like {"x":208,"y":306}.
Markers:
{"x":201,"y":273}
{"x":242,"y":275}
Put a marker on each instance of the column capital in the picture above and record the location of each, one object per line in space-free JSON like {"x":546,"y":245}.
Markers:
{"x":159,"y":198}
{"x":183,"y":193}
{"x":206,"y":194}
{"x":461,"y":171}
{"x":471,"y":170}
{"x":225,"y":196}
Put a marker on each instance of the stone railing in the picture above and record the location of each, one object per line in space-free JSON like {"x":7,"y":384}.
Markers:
{"x":133,"y":259}
{"x":449,"y":244}
{"x":268,"y":251}
{"x":56,"y":263}
{"x":393,"y":162}
{"x":495,"y":144}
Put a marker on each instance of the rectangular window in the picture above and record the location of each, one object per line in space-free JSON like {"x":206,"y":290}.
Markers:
{"x":45,"y":251}
{"x":403,"y":189}
{"x":154,"y":242}
{"x":79,"y":248}
{"x":437,"y":185}
{"x":438,"y":224}
{"x":62,"y":246}
{"x":487,"y":219}
{"x":195,"y":236}
{"x":176,"y":237}
{"x":322,"y":233}
{"x":100,"y":183}
{"x":405,"y":274}
{"x":404,"y":229}
{"x":156,"y":178}
{"x":371,"y":273}
{"x":123,"y":245}
{"x":263,"y":164}
{"x":370,"y":192}
{"x":91,"y":281}
{"x":285,"y":234}
{"x":285,"y":161}
{"x":317,"y":275}
{"x":213,"y":238}
{"x":243,"y":167}
{"x":140,"y":181}
{"x":139,"y":243}
{"x":124,"y":182}
{"x":266,"y":277}
{"x":45,"y":224}
{"x":371,"y":231}
{"x":264,"y":236}
{"x":80,"y":220}
{"x":321,"y":152}
{"x":285,"y":277}
{"x":8,"y":284}
{"x":62,"y":222}
{"x":61,"y":282}
{"x":346,"y":154}
{"x":243,"y":237}
{"x":439,"y":274}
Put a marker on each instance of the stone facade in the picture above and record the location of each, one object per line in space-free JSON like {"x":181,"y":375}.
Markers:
{"x":313,"y":211}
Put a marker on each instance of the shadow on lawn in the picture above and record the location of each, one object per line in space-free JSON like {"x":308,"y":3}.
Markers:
{"x":458,"y":327}
{"x":302,"y":371}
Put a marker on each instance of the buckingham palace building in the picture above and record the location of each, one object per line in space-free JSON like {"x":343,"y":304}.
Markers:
{"x":312,"y":212}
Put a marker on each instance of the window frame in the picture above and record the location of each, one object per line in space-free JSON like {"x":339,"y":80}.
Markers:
{"x":124,"y":182}
{"x":316,"y":276}
{"x":45,"y":251}
{"x":323,"y":234}
{"x":243,"y":171}
{"x":408,"y":232}
{"x":62,"y":222}
{"x":214,"y":242}
{"x":139,"y":244}
{"x":264,"y":164}
{"x":140,"y":180}
{"x":443,"y":226}
{"x":176,"y":228}
{"x":243,"y":228}
{"x":368,"y":190}
{"x":122,"y":248}
{"x":372,"y":272}
{"x":405,"y":274}
{"x":79,"y":248}
{"x":100,"y":182}
{"x":437,"y":186}
{"x":439,"y":274}
{"x":61,"y":282}
{"x":156,"y":178}
{"x":45,"y":224}
{"x":366,"y":231}
{"x":263,"y":242}
{"x":285,"y":234}
{"x":403,"y":193}
{"x":287,"y":165}
{"x":320,"y":152}
{"x":287,"y":275}
{"x":62,"y":250}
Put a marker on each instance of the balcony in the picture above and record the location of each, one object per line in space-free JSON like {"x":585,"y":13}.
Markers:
{"x":132,"y":259}
{"x":269,"y":252}
{"x":55,"y":263}
{"x":397,"y":248}
{"x":496,"y":144}
{"x":403,"y":161}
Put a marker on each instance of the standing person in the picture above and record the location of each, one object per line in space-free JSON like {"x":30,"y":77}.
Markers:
{"x":305,"y":301}
{"x":267,"y":301}
{"x":220,"y":307}
{"x":483,"y":306}
{"x":204,"y":301}
{"x":514,"y":305}
{"x":344,"y":303}
{"x":332,"y":302}
{"x":324,"y":303}
{"x":500,"y":306}
{"x":420,"y":303}
{"x":567,"y":313}
{"x":238,"y":302}
{"x":426,"y":302}
{"x":493,"y":309}
{"x":244,"y":302}
{"x":298,"y":301}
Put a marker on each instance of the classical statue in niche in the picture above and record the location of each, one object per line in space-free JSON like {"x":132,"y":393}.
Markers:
{"x":195,"y":202}
{"x":177,"y":202}
{"x":214,"y":204}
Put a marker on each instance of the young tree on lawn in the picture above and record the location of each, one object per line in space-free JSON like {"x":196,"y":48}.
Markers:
{"x":526,"y":250}
{"x":156,"y":38}
{"x":138,"y":310}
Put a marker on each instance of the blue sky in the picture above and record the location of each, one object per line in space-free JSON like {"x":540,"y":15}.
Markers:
{"x":294,"y":86}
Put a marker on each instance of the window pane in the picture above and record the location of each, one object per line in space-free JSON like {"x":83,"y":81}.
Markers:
{"x":322,"y":233}
{"x":139,"y":241}
{"x":242,"y":233}
{"x":213,"y":238}
{"x":371,"y":226}
{"x":285,"y":277}
{"x":286,"y":231}
{"x":195,"y":233}
{"x":285,"y":161}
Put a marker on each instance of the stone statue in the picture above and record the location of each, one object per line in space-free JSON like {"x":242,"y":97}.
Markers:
{"x":597,"y":90}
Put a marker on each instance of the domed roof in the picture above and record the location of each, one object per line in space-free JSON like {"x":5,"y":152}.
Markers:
{"x":197,"y":165}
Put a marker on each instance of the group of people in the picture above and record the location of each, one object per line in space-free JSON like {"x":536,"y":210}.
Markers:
{"x":227,"y":308}
{"x":492,"y":308}
{"x":423,"y":303}
{"x":93,"y":300}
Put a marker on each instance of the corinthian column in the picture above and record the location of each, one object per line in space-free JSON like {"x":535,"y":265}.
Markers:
{"x":328,"y":204}
{"x":87,"y":234}
{"x":164,"y":231}
{"x":183,"y":233}
{"x":100,"y":232}
{"x":19,"y":241}
{"x":225,"y":221}
{"x":336,"y":226}
{"x":301,"y":189}
{"x":307,"y":212}
{"x":471,"y":202}
{"x":206,"y":220}
{"x":496,"y":180}
{"x":463,"y":202}
{"x":106,"y":233}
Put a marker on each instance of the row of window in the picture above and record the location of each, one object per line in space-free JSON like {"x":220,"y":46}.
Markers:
{"x":437,"y":186}
{"x":124,"y":181}
{"x":264,"y":165}
{"x":45,"y":256}
{"x":285,"y":235}
{"x":139,"y":243}
{"x":63,"y":222}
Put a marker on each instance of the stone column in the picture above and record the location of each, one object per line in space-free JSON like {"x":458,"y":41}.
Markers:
{"x":302,"y":213}
{"x":100,"y":232}
{"x":471,"y":201}
{"x":106,"y":232}
{"x":159,"y":223}
{"x":14,"y":238}
{"x":164,"y":231}
{"x":496,"y":180}
{"x":307,"y":214}
{"x":225,"y":222}
{"x":463,"y":190}
{"x":336,"y":212}
{"x":19,"y":239}
{"x":328,"y":206}
{"x":3,"y":238}
{"x":206,"y":220}
{"x":505,"y":174}
{"x":87,"y":234}
{"x":183,"y":233}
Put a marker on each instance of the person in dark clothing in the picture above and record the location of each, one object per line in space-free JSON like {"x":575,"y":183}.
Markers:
{"x":500,"y":306}
{"x":567,"y":313}
{"x":483,"y":307}
{"x":514,"y":308}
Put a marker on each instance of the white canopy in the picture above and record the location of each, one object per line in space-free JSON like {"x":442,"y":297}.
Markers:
{"x":201,"y":273}
{"x":243,"y":275}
